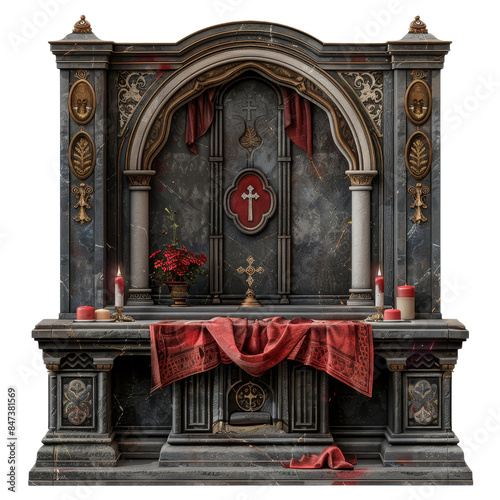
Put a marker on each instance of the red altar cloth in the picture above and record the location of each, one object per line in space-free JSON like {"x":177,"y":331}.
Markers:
{"x":331,"y":458}
{"x":344,"y":349}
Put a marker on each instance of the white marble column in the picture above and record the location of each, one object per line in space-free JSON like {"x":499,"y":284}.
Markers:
{"x":361,"y":291}
{"x":139,"y":291}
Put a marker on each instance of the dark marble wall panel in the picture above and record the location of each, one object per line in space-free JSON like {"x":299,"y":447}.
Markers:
{"x":238,"y":115}
{"x":321,"y":216}
{"x":132,"y":403}
{"x":182,"y":183}
{"x":348,"y":407}
{"x":82,"y":236}
{"x":419,"y":236}
{"x":114,"y":179}
{"x":387,"y":176}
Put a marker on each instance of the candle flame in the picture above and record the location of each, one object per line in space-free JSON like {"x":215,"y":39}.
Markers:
{"x":119,"y":272}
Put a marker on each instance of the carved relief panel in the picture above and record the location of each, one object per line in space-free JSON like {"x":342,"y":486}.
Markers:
{"x":81,"y":155}
{"x":76,"y":396}
{"x":423,"y":403}
{"x":81,"y":102}
{"x":418,"y":102}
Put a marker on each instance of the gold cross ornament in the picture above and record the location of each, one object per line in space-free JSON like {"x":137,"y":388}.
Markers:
{"x":250,"y":300}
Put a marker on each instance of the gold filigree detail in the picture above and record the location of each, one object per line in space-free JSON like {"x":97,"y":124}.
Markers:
{"x":369,"y":89}
{"x":396,"y":368}
{"x":418,"y":155}
{"x":250,"y":397}
{"x":139,"y":180}
{"x":418,"y":194}
{"x":82,"y":194}
{"x":82,"y":74}
{"x":361,"y":178}
{"x":82,"y":26}
{"x":419,"y":74}
{"x":417,"y":26}
{"x":131,"y":88}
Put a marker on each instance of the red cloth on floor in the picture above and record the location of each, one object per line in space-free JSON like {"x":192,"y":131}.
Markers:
{"x":344,"y":349}
{"x":298,"y":120}
{"x":330,"y":457}
{"x":199,"y":116}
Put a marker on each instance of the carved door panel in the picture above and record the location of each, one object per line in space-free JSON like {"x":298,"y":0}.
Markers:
{"x":248,"y":142}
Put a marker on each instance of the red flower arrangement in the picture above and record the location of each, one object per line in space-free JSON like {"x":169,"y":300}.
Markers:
{"x":175,"y":263}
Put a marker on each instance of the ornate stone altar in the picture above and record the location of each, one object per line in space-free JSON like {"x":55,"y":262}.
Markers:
{"x":321,"y":204}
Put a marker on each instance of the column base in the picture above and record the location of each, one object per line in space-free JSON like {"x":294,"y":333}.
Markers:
{"x":80,"y":450}
{"x":420,"y":455}
{"x":360,"y":297}
{"x":140,"y":297}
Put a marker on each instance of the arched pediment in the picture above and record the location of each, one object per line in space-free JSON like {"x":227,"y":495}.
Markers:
{"x":151,"y":129}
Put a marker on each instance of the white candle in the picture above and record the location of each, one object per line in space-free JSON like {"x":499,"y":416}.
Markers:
{"x":379,"y":291}
{"x":119,"y":289}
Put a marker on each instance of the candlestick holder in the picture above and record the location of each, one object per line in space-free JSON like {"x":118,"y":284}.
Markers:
{"x":378,"y":316}
{"x":119,"y":317}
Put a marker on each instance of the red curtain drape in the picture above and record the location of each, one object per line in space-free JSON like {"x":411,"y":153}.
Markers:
{"x":200,"y":113}
{"x":298,"y":120}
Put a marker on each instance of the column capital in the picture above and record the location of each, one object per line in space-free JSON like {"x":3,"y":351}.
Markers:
{"x":139,"y":177}
{"x":361,"y":177}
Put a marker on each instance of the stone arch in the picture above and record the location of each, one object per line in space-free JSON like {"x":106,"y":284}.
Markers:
{"x":152,"y":128}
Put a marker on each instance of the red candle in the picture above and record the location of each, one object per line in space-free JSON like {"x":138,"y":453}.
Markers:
{"x":392,"y":314}
{"x":406,"y":291}
{"x":85,"y":313}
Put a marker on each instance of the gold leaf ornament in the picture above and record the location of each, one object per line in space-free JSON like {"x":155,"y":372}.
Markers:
{"x":250,"y":140}
{"x":418,"y":155}
{"x":82,"y":155}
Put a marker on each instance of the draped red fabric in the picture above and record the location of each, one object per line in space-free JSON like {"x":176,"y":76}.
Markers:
{"x":298,"y":120}
{"x":199,"y":116}
{"x":344,"y":349}
{"x":331,"y":457}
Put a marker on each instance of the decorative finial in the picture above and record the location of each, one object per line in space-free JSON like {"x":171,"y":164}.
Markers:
{"x":418,"y":26}
{"x":82,"y":26}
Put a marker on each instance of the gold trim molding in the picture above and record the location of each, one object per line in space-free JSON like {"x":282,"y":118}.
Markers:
{"x":139,"y":177}
{"x":361,"y":177}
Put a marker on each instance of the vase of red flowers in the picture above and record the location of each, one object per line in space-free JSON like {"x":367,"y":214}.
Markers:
{"x":176,"y":266}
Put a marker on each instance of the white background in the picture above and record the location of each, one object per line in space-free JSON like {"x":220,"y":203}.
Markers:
{"x":29,"y":200}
